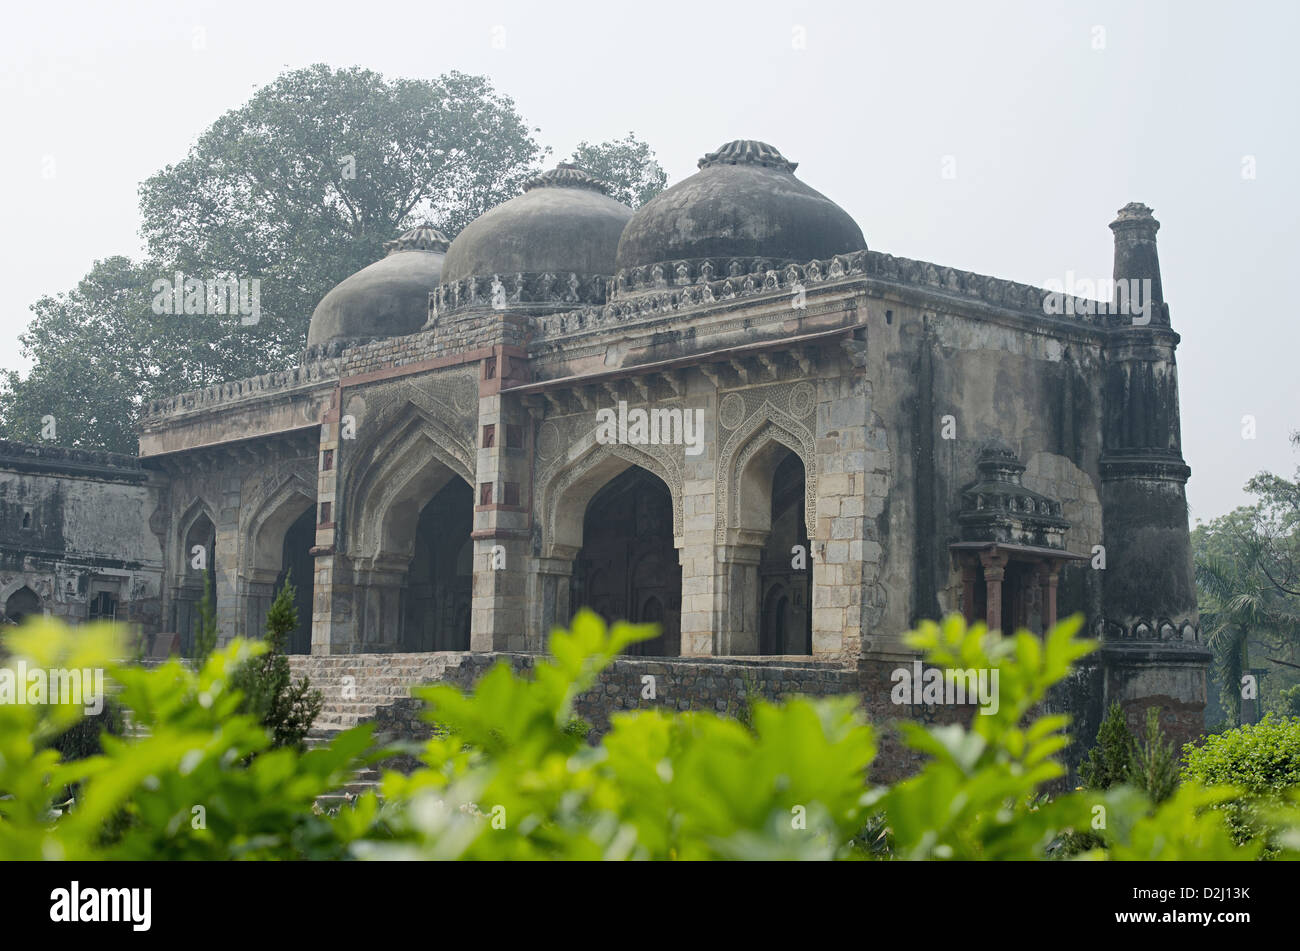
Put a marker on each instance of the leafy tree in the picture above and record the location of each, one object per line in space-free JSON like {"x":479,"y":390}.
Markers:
{"x":287,"y":708}
{"x":302,"y":184}
{"x":628,"y":165}
{"x":98,"y":355}
{"x":1248,"y":575}
{"x":298,"y":188}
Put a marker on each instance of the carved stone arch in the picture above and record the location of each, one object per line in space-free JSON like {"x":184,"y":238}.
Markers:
{"x":766,"y":427}
{"x":189,"y":515}
{"x":271,"y":510}
{"x":409,"y":460}
{"x":568,"y":486}
{"x":414,"y":402}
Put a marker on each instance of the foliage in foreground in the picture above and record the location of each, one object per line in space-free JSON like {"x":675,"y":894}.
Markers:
{"x":509,"y":777}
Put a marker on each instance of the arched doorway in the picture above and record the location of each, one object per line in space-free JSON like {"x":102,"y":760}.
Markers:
{"x":198,"y":575}
{"x":627,"y":568}
{"x":786,"y":565}
{"x":21,"y":604}
{"x":298,"y":565}
{"x":440,"y":582}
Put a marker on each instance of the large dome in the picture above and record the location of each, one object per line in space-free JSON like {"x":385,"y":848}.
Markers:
{"x":389,"y":298}
{"x":744,"y":205}
{"x":552,"y":245}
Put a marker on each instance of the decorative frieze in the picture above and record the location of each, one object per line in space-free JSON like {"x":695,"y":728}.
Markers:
{"x":1147,"y":629}
{"x":672,"y":286}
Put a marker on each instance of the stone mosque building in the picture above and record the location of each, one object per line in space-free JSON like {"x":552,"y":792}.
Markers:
{"x":815,"y":445}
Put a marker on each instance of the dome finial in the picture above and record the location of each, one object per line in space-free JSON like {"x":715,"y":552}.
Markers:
{"x":748,"y":152}
{"x":423,"y":237}
{"x":566,"y":175}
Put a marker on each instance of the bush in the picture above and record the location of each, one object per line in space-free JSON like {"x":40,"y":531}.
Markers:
{"x":1261,"y":760}
{"x":512,"y":777}
{"x":1154,"y":766}
{"x":286,"y":708}
{"x":1111,"y":758}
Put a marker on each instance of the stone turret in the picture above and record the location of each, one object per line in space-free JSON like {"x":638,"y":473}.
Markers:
{"x":1136,"y":258}
{"x":1149,"y":620}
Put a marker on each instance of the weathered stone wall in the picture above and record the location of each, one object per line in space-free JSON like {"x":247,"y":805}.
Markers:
{"x":714,"y":685}
{"x":74,"y":524}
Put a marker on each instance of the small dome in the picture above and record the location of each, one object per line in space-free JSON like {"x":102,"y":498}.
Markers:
{"x":389,"y":298}
{"x":554,"y":244}
{"x":744,"y":205}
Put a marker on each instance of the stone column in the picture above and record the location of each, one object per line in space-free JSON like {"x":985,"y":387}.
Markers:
{"x":226,"y":580}
{"x":328,"y":635}
{"x":379,"y":605}
{"x":736,"y":592}
{"x":550,"y":585}
{"x":969,"y":576}
{"x":503,"y":505}
{"x":995,"y":565}
{"x":697,"y":549}
{"x":1048,"y":575}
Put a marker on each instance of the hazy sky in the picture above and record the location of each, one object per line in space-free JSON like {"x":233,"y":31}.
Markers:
{"x":1048,"y":134}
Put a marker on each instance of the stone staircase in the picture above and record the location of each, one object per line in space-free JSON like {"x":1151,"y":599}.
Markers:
{"x":376,"y":680}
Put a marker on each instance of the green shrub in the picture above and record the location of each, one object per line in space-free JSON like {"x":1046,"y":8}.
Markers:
{"x":1154,"y":766}
{"x":1111,"y":758}
{"x":1261,"y":760}
{"x":285,"y":707}
{"x":513,"y":778}
{"x":205,"y":638}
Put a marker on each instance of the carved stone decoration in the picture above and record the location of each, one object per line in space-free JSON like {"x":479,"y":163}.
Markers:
{"x":765,"y":425}
{"x":706,"y":272}
{"x":548,"y":441}
{"x":731,"y":411}
{"x":559,"y":477}
{"x":406,"y":427}
{"x":803,"y":399}
{"x":546,"y":287}
{"x":464,"y":394}
{"x":262,"y":497}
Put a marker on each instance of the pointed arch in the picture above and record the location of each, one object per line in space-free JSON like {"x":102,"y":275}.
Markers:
{"x":21,"y":604}
{"x":271,"y":512}
{"x":746,"y":465}
{"x":198,"y":507}
{"x":410,"y":457}
{"x":567,"y":488}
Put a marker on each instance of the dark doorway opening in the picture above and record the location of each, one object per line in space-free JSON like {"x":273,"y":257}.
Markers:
{"x":627,"y":568}
{"x":440,"y":584}
{"x":299,"y":566}
{"x":786,"y":567}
